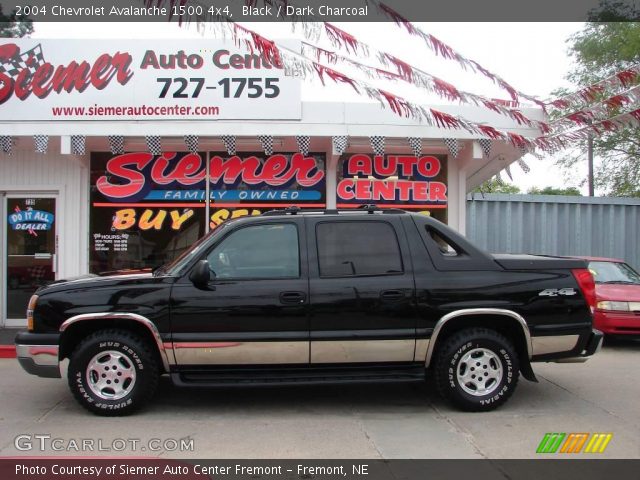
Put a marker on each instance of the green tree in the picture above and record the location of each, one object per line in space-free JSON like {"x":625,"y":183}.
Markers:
{"x":603,"y":47}
{"x":13,"y":25}
{"x":554,"y":191}
{"x":494,"y":186}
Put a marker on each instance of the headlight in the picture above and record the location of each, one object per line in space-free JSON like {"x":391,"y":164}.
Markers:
{"x":32,"y":306}
{"x":614,"y":306}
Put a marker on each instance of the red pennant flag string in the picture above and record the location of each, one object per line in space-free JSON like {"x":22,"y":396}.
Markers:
{"x":424,"y":80}
{"x":517,"y":140}
{"x":589,"y":94}
{"x":627,"y":77}
{"x":295,"y":61}
{"x":329,"y":56}
{"x":444,"y":120}
{"x":398,"y":105}
{"x":397,"y":18}
{"x":450,"y":92}
{"x":351,"y":44}
{"x":444,"y":50}
{"x":568,"y":139}
{"x":447,"y":52}
{"x":599,"y":111}
{"x":490,"y":132}
{"x":342,"y":38}
{"x":404,"y":69}
{"x":335,"y":76}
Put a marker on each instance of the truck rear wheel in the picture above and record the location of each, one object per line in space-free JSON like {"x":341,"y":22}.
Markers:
{"x":112,"y":372}
{"x":477,"y":369}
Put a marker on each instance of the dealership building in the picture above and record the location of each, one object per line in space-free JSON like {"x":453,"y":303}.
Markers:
{"x":118,"y":161}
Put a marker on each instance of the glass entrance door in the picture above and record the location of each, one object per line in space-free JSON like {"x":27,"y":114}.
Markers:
{"x":30,"y":251}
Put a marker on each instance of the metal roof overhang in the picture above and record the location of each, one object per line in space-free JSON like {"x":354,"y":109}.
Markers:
{"x":319,"y":119}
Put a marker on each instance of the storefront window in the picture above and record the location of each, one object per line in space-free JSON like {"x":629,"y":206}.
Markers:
{"x":31,"y":249}
{"x":146,"y":210}
{"x":402,"y":181}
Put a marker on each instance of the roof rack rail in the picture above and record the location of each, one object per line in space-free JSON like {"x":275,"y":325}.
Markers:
{"x":373,"y":208}
{"x":369,"y":207}
{"x":290,"y":210}
{"x":296,"y":210}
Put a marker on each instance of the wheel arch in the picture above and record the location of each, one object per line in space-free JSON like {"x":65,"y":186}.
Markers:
{"x":75,"y":328}
{"x":506,"y":322}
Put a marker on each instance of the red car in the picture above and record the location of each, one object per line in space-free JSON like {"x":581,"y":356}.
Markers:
{"x":617,"y":296}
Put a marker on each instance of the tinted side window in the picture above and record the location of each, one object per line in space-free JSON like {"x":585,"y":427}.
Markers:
{"x":357,"y":248}
{"x":446,"y":246}
{"x":260,"y":251}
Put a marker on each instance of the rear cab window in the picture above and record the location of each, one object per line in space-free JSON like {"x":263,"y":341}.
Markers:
{"x":447,"y":249}
{"x":357,"y":248}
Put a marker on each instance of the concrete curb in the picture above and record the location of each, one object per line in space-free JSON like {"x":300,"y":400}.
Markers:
{"x":7,"y":351}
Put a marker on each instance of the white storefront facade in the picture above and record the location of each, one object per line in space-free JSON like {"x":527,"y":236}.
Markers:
{"x":90,"y":204}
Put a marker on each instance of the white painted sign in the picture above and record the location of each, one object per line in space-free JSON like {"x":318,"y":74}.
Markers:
{"x":141,"y":80}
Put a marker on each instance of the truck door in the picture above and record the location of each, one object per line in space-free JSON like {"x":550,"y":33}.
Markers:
{"x":361,"y":291}
{"x":255,"y":309}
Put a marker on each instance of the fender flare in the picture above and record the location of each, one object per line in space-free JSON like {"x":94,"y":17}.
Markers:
{"x":123,"y":316}
{"x":478,"y":311}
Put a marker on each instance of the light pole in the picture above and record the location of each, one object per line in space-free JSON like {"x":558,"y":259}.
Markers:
{"x":590,"y":162}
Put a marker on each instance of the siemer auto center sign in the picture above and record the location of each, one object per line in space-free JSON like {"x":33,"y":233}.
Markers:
{"x":141,"y":80}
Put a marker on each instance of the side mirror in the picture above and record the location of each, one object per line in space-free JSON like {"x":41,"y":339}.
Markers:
{"x":201,"y":274}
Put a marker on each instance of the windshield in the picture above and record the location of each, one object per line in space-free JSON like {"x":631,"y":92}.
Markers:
{"x":613,"y":272}
{"x":175,"y":266}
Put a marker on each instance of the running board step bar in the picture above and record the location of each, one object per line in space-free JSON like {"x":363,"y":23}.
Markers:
{"x":237,"y":378}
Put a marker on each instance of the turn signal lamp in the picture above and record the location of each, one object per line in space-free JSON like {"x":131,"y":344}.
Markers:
{"x":30,"y":308}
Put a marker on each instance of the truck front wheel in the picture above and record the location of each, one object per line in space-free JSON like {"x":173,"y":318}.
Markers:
{"x":477,"y":369}
{"x":112,"y":372}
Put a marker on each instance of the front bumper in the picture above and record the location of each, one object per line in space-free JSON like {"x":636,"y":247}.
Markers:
{"x":617,"y":323}
{"x":38,"y":354}
{"x":593,"y":346}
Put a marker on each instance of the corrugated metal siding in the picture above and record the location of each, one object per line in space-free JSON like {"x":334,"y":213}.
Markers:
{"x":556,"y":225}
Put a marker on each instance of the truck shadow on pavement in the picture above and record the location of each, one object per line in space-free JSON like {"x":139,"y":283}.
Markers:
{"x":622,"y":343}
{"x":376,"y":397}
{"x":408,"y":398}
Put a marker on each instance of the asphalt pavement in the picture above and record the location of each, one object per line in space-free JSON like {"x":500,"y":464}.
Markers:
{"x":372,"y":421}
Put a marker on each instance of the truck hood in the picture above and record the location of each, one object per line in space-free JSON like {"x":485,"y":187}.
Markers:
{"x":118,"y":277}
{"x":618,"y":292}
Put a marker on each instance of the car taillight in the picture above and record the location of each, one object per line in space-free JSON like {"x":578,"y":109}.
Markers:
{"x":587,"y":285}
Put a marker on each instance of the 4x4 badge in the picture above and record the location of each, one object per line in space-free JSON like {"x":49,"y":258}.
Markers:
{"x":554,"y":292}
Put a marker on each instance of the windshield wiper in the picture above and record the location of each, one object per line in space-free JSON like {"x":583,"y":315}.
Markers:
{"x":622,"y":282}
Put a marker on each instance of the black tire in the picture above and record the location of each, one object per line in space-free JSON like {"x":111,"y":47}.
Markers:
{"x":138,"y":364}
{"x":455,"y":357}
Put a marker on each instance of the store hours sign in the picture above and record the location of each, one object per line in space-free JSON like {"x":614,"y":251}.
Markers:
{"x":60,"y":80}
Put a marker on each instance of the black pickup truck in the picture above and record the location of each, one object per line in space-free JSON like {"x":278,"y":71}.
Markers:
{"x":296,"y":297}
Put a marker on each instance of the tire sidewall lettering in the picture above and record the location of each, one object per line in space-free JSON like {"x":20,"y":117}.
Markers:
{"x":79,"y":375}
{"x":508,"y":374}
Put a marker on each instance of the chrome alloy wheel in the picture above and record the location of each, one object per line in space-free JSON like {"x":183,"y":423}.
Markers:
{"x":111,"y":375}
{"x":479,"y":372}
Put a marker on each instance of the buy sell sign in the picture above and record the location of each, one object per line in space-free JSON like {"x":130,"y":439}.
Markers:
{"x":60,"y":80}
